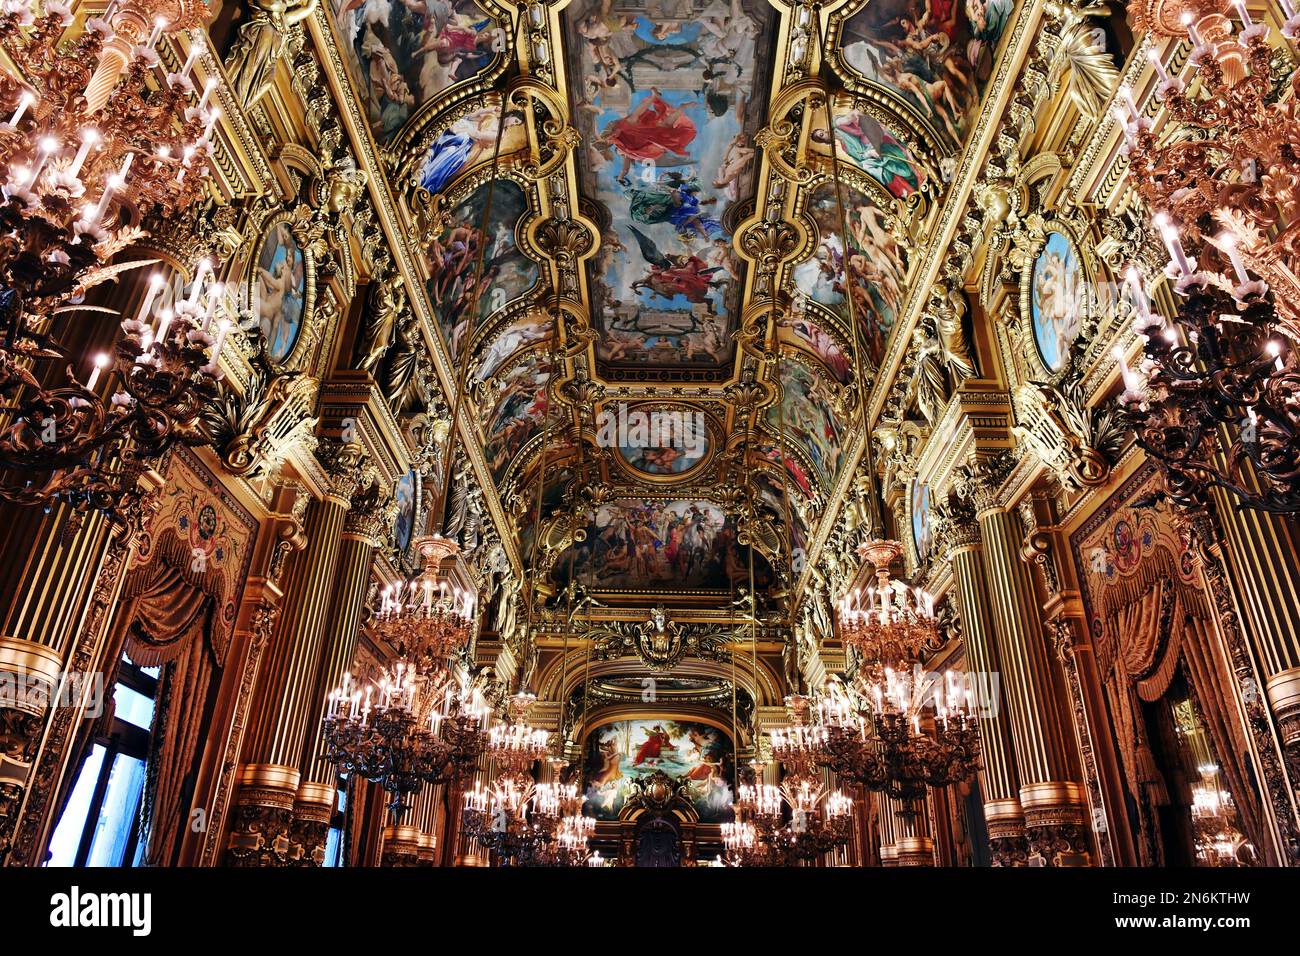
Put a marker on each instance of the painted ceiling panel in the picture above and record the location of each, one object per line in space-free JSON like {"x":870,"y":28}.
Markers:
{"x":406,"y":53}
{"x":934,"y":54}
{"x":667,"y":95}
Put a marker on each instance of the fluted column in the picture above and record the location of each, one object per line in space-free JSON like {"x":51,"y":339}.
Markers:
{"x":273,"y":753}
{"x":363,"y":530}
{"x":1052,"y":801}
{"x":958,"y":532}
{"x":910,"y":824}
{"x":1262,"y":554}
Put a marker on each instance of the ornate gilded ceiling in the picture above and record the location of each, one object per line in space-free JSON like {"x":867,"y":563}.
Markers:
{"x":665,"y":184}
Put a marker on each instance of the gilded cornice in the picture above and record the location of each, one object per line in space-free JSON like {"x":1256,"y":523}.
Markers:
{"x":400,"y":238}
{"x":1024,"y":36}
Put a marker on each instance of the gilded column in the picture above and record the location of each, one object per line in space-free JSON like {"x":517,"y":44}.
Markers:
{"x":908,"y":826}
{"x":364,"y":528}
{"x":1052,"y":802}
{"x":270,"y":777}
{"x":958,"y":531}
{"x":1261,"y":549}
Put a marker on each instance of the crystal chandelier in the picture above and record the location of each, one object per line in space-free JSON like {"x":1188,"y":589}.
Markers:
{"x":900,"y":729}
{"x":1223,"y":373}
{"x":796,"y":821}
{"x":91,"y":147}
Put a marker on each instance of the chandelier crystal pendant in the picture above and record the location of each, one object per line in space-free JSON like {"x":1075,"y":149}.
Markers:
{"x":96,"y":137}
{"x":900,"y":729}
{"x":1226,"y":364}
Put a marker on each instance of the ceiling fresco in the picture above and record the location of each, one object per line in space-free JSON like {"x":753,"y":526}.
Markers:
{"x":936,"y":55}
{"x":655,"y":138}
{"x":406,"y":53}
{"x":667,"y":97}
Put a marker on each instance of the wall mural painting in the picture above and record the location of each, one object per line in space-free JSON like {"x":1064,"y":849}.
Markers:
{"x":665,"y":103}
{"x":640,"y":543}
{"x":617,"y":754}
{"x":404,"y":523}
{"x":280,"y":291}
{"x":794,"y":468}
{"x":516,"y":412}
{"x":807,"y":415}
{"x":1056,"y":300}
{"x":453,"y":261}
{"x":937,"y":53}
{"x":875,"y":260}
{"x":403,"y":53}
{"x":524,"y":330}
{"x":469,"y":141}
{"x":812,"y":335}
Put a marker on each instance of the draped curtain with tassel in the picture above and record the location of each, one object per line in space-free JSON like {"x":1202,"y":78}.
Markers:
{"x":1154,"y":622}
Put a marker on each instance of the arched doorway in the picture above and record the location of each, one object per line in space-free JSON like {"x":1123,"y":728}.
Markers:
{"x":658,"y":843}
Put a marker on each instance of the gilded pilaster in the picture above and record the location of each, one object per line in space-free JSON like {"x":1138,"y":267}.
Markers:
{"x":1055,"y":826}
{"x":958,"y":533}
{"x":273,"y":752}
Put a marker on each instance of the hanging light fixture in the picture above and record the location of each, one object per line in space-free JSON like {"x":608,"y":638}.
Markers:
{"x":819,"y":820}
{"x":900,"y":729}
{"x":88,"y":149}
{"x":1223,"y":371}
{"x":416,"y":725}
{"x":514,"y":817}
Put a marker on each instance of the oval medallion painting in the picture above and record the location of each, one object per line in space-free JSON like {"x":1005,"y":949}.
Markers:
{"x":1056,"y":300}
{"x":280,"y":291}
{"x":404,"y":523}
{"x":663,"y":442}
{"x":921,"y":534}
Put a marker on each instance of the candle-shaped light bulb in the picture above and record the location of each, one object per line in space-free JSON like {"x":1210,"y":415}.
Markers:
{"x":222,"y":331}
{"x":101,"y":362}
{"x":215,"y":292}
{"x":156,"y":283}
{"x":1227,"y":243}
{"x":89,"y":137}
{"x":1274,"y":348}
{"x":159,"y":24}
{"x":165,"y":317}
{"x":1243,"y":13}
{"x":1159,"y":65}
{"x":208,"y":89}
{"x":204,"y":267}
{"x":1169,"y":232}
{"x":196,"y":47}
{"x":25,"y":102}
{"x":1189,"y":21}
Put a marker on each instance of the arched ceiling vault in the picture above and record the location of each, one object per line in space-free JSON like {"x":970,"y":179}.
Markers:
{"x":718,"y":200}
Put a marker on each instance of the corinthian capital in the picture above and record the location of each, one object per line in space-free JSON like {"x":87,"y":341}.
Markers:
{"x":348,"y":469}
{"x":373,"y":512}
{"x":981,"y":478}
{"x":955,"y":525}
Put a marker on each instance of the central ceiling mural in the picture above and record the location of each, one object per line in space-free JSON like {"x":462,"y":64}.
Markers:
{"x":666,"y":97}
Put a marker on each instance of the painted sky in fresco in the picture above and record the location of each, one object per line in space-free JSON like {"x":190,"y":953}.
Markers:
{"x":663,"y":94}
